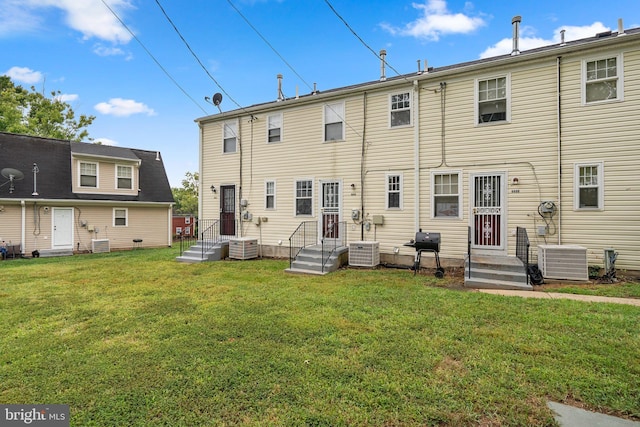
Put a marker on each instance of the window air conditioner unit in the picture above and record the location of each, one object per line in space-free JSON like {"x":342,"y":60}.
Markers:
{"x":100,"y":246}
{"x":364,"y":254}
{"x":567,"y":262}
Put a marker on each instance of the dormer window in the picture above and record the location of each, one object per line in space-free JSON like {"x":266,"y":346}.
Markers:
{"x":88,"y":174}
{"x":124,"y":177}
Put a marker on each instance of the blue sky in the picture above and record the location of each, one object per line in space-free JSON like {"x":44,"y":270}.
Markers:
{"x":82,"y":49}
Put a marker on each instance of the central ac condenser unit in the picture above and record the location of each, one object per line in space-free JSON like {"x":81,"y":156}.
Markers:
{"x":100,"y":246}
{"x":567,"y":262}
{"x":364,"y":254}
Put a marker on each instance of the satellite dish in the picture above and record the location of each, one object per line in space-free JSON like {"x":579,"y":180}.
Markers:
{"x":217,"y":99}
{"x":12,"y":174}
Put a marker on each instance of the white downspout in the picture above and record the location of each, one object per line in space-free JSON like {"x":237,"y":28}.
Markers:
{"x":23,"y":227}
{"x":201,"y":176}
{"x":416,"y":153}
{"x":559,"y":151}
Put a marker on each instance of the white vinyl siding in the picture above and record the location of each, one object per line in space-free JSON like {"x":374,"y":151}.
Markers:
{"x":394,"y":191}
{"x":493,"y":99}
{"x":230,"y":138}
{"x":88,"y":174}
{"x":124,"y":177}
{"x":602,"y":79}
{"x":274,"y":128}
{"x":334,"y":122}
{"x":446,"y":195}
{"x":400,"y":109}
{"x":120,"y":217}
{"x":589,"y":186}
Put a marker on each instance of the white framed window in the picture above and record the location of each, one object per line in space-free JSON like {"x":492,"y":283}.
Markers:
{"x":88,"y":174}
{"x":270,"y":194}
{"x":334,"y":122}
{"x":274,"y":128}
{"x":178,"y":231}
{"x":400,"y":109}
{"x":187,"y":220}
{"x":446,"y":195}
{"x":393,"y":191}
{"x":120,"y":217}
{"x":230,"y":137}
{"x":124,"y":177}
{"x":304,"y":197}
{"x":602,"y":80}
{"x":187,"y":231}
{"x":493,"y":99}
{"x":589,"y":186}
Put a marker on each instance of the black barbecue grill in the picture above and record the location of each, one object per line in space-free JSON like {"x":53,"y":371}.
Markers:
{"x":426,"y":242}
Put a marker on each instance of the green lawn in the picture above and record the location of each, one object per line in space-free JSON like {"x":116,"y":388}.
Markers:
{"x":138,"y":339}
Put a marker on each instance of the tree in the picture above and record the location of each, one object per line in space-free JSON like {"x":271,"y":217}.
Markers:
{"x":29,"y":112}
{"x":186,"y":198}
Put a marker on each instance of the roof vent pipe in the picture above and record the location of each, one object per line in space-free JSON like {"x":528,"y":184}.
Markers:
{"x":383,"y":54}
{"x":620,"y":27}
{"x":315,"y":88}
{"x":426,"y":66}
{"x":562,"y":42}
{"x":516,"y":34}
{"x":419,"y":70}
{"x":280,"y":94}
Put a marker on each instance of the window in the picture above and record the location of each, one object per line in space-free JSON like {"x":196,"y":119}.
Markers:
{"x":187,"y":231}
{"x":304,"y":194}
{"x":274,"y":128}
{"x":270,"y":195}
{"x":333,"y":122}
{"x":88,"y":174}
{"x":187,"y":220}
{"x":394,"y":191}
{"x":230,"y":137}
{"x":400,"y":109}
{"x":602,"y":79}
{"x":589,"y":187}
{"x":119,"y":217}
{"x":124,"y":177}
{"x":446,"y":195}
{"x":178,"y":231}
{"x":493,"y":97}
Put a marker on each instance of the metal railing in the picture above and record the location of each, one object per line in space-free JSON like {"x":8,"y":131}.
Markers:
{"x":522,"y":248}
{"x":469,"y":251}
{"x":331,"y":243}
{"x":209,"y":233}
{"x":305,"y":235}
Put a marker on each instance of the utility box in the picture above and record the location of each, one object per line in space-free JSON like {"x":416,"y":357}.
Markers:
{"x":378,"y":220}
{"x":243,"y":248}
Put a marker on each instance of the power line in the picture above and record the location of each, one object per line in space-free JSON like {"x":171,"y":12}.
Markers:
{"x":153,"y":57}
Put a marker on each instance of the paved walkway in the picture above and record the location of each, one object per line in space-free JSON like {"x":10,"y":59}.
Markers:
{"x":557,"y":295}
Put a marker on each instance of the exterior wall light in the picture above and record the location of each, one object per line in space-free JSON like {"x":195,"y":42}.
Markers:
{"x":213,"y":189}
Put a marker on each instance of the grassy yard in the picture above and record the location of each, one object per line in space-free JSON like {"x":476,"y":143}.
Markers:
{"x":138,"y":339}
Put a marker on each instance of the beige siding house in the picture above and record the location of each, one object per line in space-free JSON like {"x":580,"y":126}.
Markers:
{"x":544,"y":140}
{"x":68,"y":197}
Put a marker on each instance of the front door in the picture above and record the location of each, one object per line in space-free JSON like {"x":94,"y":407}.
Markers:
{"x":330,"y":209}
{"x":62,"y":225}
{"x":228,"y":210}
{"x":488,"y":211}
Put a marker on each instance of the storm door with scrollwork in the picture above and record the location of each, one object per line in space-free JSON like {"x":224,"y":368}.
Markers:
{"x":488,"y":211}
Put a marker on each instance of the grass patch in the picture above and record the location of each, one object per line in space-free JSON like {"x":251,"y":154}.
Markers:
{"x":138,"y":339}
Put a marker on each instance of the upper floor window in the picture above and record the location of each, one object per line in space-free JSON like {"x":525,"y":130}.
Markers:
{"x":334,"y":121}
{"x":88,"y":174}
{"x":187,"y":220}
{"x":304,"y":197}
{"x":400,"y":109}
{"x":124,"y":177}
{"x":589,"y":188}
{"x":230,"y":137}
{"x":270,"y":195}
{"x":445,"y":195}
{"x":493,"y":99}
{"x":274,"y":128}
{"x":120,"y":217}
{"x":602,"y":79}
{"x":394,"y":191}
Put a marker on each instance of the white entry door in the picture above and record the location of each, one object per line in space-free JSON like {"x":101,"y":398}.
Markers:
{"x":330,"y":209}
{"x":488,"y":211}
{"x":62,"y":233}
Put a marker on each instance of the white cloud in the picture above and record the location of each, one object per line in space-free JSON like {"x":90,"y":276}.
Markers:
{"x":106,"y":141}
{"x":16,"y":18}
{"x":24,"y":75}
{"x":67,"y":97}
{"x":123,"y":108}
{"x":436,"y":20}
{"x":526,"y":42}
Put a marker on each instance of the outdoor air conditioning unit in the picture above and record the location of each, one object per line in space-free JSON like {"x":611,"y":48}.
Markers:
{"x":563,"y":262}
{"x":243,"y":248}
{"x":100,"y":246}
{"x":364,"y":254}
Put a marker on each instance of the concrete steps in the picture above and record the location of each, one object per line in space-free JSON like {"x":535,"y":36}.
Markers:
{"x":496,"y":272}
{"x":194,"y":254}
{"x":309,"y":260}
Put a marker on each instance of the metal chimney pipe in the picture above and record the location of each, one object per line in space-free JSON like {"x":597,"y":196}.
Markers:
{"x":383,"y":54}
{"x":280,"y":95}
{"x":516,"y":34}
{"x":562,"y":42}
{"x":620,"y":27}
{"x":419,"y":70}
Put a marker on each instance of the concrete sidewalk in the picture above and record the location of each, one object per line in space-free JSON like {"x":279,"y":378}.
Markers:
{"x":569,"y":416}
{"x":557,"y":295}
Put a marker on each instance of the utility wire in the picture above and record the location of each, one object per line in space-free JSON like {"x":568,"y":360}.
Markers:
{"x":358,"y":37}
{"x":153,"y":57}
{"x":198,"y":59}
